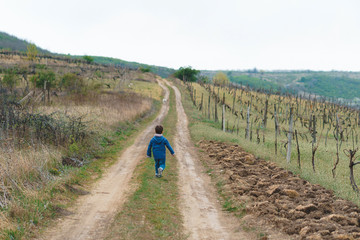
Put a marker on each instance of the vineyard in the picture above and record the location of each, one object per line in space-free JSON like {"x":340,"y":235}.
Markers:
{"x":316,"y":138}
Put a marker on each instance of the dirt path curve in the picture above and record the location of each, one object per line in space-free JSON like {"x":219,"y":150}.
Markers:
{"x":203,"y":218}
{"x":95,"y":211}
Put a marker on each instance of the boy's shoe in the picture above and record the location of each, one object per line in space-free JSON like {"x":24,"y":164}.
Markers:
{"x":157,"y":175}
{"x":160,"y":170}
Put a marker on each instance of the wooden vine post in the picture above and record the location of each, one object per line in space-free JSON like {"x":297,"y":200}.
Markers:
{"x":194,"y":97}
{"x":298,"y":149}
{"x":265,"y":113}
{"x":288,"y":154}
{"x":44,"y":91}
{"x":313,"y":142}
{"x":234,"y":99}
{"x":223,"y":117}
{"x":247,"y":132}
{"x":276,"y":128}
{"x":201,"y":103}
{"x":209,"y":107}
{"x":215,"y":104}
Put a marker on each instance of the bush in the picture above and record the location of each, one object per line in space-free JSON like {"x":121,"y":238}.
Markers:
{"x":10,"y":79}
{"x":88,"y":59}
{"x":40,"y":78}
{"x":145,"y":69}
{"x":72,"y":83}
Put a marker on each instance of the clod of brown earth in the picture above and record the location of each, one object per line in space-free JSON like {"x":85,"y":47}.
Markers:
{"x":341,"y":219}
{"x":314,"y":237}
{"x":307,"y":208}
{"x":296,"y":214}
{"x":304,"y":231}
{"x":249,"y":160}
{"x":273,"y":189}
{"x":324,"y":232}
{"x":291,"y":193}
{"x":342,"y":237}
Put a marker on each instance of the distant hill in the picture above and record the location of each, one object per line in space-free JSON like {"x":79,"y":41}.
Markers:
{"x":12,"y":43}
{"x":161,"y":71}
{"x":334,"y":84}
{"x":330,"y":86}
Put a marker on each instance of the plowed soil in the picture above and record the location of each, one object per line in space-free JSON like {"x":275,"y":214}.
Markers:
{"x":288,"y":203}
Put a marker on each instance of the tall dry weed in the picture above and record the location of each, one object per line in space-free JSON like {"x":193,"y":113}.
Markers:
{"x":102,"y":110}
{"x":25,"y":170}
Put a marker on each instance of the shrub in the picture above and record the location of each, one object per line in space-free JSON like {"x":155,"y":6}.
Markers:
{"x":88,"y":59}
{"x":10,"y":79}
{"x":145,"y":69}
{"x":72,"y":82}
{"x":40,"y":78}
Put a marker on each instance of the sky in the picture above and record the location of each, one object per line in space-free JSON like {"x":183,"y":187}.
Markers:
{"x":211,"y":34}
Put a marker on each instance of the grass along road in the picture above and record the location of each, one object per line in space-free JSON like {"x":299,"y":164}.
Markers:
{"x":152,"y":211}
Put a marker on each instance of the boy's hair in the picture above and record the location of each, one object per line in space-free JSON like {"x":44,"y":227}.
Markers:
{"x":159,"y":129}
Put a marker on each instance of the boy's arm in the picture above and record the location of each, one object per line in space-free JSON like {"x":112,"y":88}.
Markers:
{"x":167,"y":144}
{"x":149,"y":149}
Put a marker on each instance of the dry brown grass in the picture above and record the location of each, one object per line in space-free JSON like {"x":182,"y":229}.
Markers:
{"x":26,"y":169}
{"x":101,"y":111}
{"x":5,"y":223}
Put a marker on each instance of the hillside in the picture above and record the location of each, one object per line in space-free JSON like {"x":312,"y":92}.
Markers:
{"x":12,"y":43}
{"x":161,"y":71}
{"x":334,"y":84}
{"x":330,"y":86}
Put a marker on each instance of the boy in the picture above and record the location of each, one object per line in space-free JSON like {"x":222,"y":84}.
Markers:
{"x":158,"y":143}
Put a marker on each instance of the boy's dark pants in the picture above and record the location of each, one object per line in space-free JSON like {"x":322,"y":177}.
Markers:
{"x":159,"y":163}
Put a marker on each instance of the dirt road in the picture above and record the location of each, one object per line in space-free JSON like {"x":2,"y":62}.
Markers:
{"x":95,"y":211}
{"x":203,"y":218}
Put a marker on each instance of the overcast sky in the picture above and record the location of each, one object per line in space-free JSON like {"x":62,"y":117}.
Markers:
{"x":211,"y":34}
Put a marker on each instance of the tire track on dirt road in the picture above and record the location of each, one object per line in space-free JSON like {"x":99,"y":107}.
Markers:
{"x":203,"y":218}
{"x":94,"y":212}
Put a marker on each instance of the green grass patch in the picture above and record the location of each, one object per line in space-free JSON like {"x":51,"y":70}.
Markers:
{"x":152,"y":211}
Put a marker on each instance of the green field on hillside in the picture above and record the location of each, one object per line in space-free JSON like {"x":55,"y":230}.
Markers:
{"x":332,"y":86}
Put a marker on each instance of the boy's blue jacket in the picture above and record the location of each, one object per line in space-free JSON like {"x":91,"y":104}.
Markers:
{"x":158,"y":143}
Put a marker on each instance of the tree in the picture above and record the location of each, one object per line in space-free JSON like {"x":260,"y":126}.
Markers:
{"x":88,"y":59}
{"x":187,"y":74}
{"x":203,"y":79}
{"x":31,"y":51}
{"x":220,"y":79}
